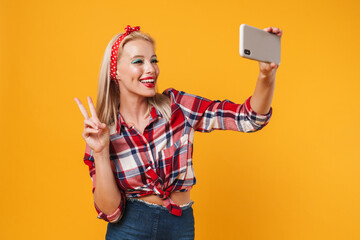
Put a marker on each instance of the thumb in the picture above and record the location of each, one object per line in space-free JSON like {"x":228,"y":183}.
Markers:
{"x":273,"y":65}
{"x":102,"y":125}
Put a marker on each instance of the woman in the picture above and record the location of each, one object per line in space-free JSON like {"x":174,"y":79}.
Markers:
{"x":139,"y":142}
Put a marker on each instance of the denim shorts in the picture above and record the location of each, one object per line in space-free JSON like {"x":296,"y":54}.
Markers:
{"x":148,"y":221}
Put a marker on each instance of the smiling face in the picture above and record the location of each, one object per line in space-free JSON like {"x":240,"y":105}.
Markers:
{"x":137,"y":69}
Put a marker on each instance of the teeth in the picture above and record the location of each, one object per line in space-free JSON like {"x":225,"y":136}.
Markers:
{"x":147,"y":81}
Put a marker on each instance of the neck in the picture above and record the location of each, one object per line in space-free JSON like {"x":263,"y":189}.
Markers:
{"x":133,"y":109}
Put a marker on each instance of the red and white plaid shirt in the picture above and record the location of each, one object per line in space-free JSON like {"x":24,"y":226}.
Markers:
{"x":159,"y":161}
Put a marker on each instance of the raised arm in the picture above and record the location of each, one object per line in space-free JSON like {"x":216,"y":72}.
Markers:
{"x":206,"y":115}
{"x":261,"y":99}
{"x":107,"y":196}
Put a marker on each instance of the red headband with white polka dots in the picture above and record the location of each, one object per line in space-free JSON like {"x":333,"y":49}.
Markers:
{"x":114,"y":52}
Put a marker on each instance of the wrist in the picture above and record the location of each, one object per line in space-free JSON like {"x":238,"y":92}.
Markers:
{"x":266,"y":78}
{"x":102,"y":155}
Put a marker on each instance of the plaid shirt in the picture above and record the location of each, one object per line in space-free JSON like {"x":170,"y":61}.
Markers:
{"x":159,"y":161}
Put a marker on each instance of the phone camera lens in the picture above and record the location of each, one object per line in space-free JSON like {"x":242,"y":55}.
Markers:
{"x":247,"y":52}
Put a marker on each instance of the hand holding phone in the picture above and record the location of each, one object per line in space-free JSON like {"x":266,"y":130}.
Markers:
{"x":260,"y":45}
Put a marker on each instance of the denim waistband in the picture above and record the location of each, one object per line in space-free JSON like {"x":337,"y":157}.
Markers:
{"x":183,"y":206}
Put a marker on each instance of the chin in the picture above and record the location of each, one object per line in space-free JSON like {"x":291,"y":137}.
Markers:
{"x":149,"y":93}
{"x":152,"y":94}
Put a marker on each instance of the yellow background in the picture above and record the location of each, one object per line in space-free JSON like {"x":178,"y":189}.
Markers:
{"x":298,"y":178}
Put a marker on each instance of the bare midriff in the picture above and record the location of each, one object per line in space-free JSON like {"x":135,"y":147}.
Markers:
{"x":180,"y":198}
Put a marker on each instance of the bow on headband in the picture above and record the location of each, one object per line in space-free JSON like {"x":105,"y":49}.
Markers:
{"x":114,"y":52}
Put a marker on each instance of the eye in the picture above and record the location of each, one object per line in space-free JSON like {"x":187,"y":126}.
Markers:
{"x":154,"y":60}
{"x":137,"y":61}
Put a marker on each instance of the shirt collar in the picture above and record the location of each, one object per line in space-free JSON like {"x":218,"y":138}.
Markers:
{"x":154,"y":115}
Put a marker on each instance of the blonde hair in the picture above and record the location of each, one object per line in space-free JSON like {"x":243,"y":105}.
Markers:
{"x":108,"y":95}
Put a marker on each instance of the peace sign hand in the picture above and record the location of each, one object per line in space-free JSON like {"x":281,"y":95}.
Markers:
{"x":96,"y":134}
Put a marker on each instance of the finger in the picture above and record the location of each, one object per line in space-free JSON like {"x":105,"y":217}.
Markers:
{"x":268,"y":29}
{"x":273,"y":65}
{"x":89,"y":122}
{"x":89,"y":131}
{"x":82,"y":108}
{"x":275,"y":30}
{"x":92,"y":109}
{"x":267,"y":66}
{"x":262,"y":65}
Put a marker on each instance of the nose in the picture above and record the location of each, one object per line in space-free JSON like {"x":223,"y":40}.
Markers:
{"x":149,"y":68}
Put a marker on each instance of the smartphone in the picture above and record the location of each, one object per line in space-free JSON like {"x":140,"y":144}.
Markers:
{"x":257,"y":44}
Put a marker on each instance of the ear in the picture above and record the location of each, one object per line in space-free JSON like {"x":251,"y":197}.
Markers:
{"x":117,"y":75}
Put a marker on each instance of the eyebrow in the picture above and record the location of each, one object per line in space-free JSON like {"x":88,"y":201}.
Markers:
{"x":143,"y":56}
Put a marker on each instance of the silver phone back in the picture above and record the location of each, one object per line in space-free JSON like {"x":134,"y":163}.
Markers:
{"x":259,"y":45}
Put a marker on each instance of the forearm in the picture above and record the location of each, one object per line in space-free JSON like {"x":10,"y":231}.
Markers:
{"x":261,"y":99}
{"x":263,"y":94}
{"x":107,"y":194}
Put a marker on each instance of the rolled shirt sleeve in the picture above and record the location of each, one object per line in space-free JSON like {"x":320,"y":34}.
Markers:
{"x":257,"y":120}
